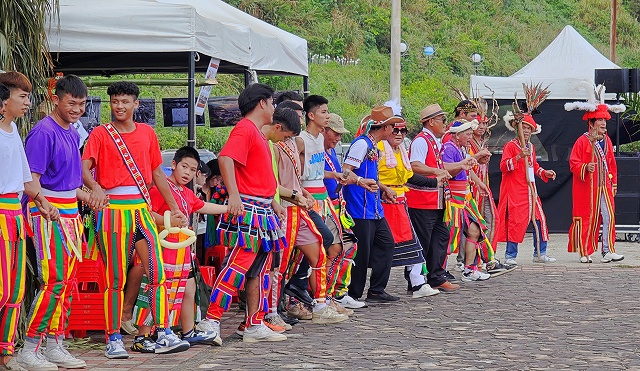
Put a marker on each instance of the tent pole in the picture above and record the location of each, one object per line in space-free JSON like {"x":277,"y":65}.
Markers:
{"x":191,"y":131}
{"x":617,"y":127}
{"x":247,"y":78}
{"x":305,"y":86}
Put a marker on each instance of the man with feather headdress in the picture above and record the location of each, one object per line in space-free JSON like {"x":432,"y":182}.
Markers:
{"x":595,"y":179}
{"x":519,"y":203}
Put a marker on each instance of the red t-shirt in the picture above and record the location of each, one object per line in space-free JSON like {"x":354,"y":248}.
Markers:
{"x":187,"y":201}
{"x":250,"y":151}
{"x":111,"y":170}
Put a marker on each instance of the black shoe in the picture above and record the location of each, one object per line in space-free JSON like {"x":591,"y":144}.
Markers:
{"x":288,"y":320}
{"x":143,"y":344}
{"x":298,"y":293}
{"x":450,"y":277}
{"x":381,"y":298}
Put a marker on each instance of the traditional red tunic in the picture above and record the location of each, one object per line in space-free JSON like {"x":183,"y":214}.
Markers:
{"x":486,"y":205}
{"x":588,"y":188}
{"x":514,"y":205}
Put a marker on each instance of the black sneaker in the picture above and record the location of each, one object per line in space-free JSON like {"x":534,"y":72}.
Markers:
{"x":450,"y":277}
{"x":495,"y":266}
{"x":381,"y":298}
{"x":143,"y":344}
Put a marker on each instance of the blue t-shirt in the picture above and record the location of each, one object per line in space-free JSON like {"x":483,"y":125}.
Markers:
{"x":330,"y":183}
{"x":362,"y":204}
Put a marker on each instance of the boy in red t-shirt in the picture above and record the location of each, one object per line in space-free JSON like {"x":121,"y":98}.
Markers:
{"x":122,"y":173}
{"x":251,"y":229}
{"x":180,"y":276}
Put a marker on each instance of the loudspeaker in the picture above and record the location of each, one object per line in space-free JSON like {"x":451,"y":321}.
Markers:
{"x":616,"y":80}
{"x":634,"y":80}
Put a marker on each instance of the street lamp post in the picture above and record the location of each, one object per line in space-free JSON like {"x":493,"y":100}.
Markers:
{"x":394,"y":81}
{"x":477,"y":62}
{"x":429,"y":51}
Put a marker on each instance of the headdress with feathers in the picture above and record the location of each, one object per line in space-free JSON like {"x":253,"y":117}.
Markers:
{"x":595,"y":106}
{"x":480,"y":105}
{"x":534,"y":96}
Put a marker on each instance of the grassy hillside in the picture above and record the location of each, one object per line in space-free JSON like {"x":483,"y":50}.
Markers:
{"x":508,"y":33}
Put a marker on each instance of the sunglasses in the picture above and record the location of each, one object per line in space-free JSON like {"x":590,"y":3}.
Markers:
{"x":397,"y":131}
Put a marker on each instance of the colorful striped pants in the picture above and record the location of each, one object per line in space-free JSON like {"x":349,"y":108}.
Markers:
{"x":117,"y":226}
{"x":13,"y":259}
{"x":57,"y":245}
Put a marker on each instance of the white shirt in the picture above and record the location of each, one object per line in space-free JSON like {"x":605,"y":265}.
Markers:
{"x":419,"y":147}
{"x":313,"y":173}
{"x":356,"y":153}
{"x":14,"y":168}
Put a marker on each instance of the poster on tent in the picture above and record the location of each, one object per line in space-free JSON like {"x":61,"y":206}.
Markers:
{"x":175,"y":113}
{"x":91,"y":117}
{"x":205,"y":91}
{"x":223,"y":111}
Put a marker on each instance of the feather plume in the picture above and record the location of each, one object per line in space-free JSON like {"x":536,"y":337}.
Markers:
{"x":459,"y":94}
{"x":581,"y":106}
{"x":617,"y":108}
{"x":535,"y":95}
{"x":508,"y":117}
{"x":395,"y":106}
{"x":599,"y":93}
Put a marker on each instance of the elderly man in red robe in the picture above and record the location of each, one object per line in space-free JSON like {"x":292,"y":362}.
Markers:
{"x":594,"y":179}
{"x":518,"y":166}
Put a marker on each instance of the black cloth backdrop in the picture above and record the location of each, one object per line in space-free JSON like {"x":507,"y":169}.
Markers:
{"x":560,"y":130}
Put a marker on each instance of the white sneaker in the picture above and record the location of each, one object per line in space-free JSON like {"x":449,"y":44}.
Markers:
{"x":425,"y":290}
{"x":328,"y":315}
{"x":129,"y":327}
{"x":13,"y":365}
{"x":459,"y":267}
{"x":611,"y":257}
{"x":350,"y":303}
{"x":58,"y":354}
{"x":544,"y":259}
{"x":586,"y":259}
{"x":210,"y":325}
{"x":511,"y":261}
{"x":115,"y":350}
{"x":34,"y":360}
{"x":474,"y":275}
{"x":170,"y":343}
{"x":255,"y":334}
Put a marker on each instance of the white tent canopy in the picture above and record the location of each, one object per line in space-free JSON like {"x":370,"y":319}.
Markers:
{"x":565,"y":63}
{"x":102,"y":32}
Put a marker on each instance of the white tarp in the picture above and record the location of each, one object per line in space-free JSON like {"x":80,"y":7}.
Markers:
{"x":565,"y":63}
{"x":209,"y":27}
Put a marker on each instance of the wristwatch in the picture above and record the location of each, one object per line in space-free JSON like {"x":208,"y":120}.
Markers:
{"x":294,"y":193}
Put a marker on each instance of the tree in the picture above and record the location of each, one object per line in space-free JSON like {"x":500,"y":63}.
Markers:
{"x":23,"y":41}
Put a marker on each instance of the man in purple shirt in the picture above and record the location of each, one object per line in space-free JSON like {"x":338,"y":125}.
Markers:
{"x":54,"y":158}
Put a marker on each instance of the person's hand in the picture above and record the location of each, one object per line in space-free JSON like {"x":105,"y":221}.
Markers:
{"x":484,"y":190}
{"x":591,"y":167}
{"x":524,"y":152}
{"x":309,"y":202}
{"x":443,"y":176}
{"x":235,"y":206}
{"x":369,"y":184}
{"x":48,"y":211}
{"x":550,"y":174}
{"x":389,"y":195}
{"x":483,"y":156}
{"x":468,"y":163}
{"x":279,"y":211}
{"x":98,"y":200}
{"x":178,"y":219}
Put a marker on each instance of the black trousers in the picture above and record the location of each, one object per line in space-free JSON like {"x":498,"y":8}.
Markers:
{"x":375,"y":250}
{"x":434,"y":237}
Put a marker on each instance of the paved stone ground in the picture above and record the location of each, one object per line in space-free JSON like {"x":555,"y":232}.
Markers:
{"x":565,"y":315}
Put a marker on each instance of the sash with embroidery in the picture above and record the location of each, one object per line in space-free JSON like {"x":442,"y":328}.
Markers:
{"x":128,"y":160}
{"x":434,"y":147}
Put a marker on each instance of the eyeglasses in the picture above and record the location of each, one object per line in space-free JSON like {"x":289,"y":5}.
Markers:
{"x":397,"y":131}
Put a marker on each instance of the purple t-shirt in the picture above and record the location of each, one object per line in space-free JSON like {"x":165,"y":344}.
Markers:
{"x":451,"y":153}
{"x":53,"y":153}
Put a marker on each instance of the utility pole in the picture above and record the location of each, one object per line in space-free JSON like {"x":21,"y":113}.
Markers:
{"x":612,"y":30}
{"x":395,"y":50}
